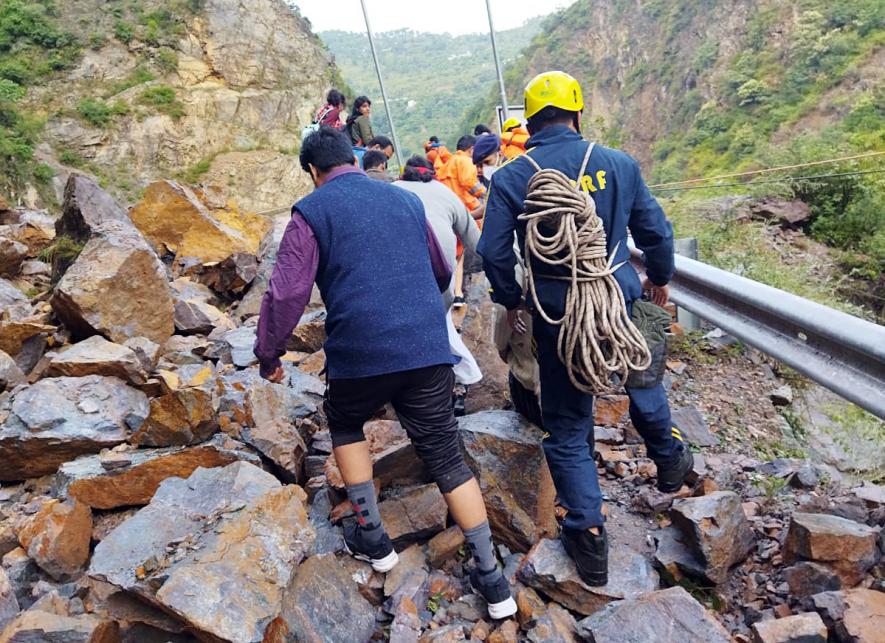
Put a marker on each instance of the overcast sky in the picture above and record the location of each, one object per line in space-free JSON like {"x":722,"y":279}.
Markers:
{"x":453,"y":16}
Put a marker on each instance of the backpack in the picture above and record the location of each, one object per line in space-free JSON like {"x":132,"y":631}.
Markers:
{"x":307,"y":130}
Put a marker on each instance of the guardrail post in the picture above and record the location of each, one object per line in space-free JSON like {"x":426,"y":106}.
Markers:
{"x":687,"y":247}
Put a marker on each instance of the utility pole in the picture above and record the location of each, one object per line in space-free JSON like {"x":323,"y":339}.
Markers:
{"x":504,"y":104}
{"x":399,"y":153}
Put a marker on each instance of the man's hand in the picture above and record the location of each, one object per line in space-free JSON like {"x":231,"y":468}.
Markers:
{"x":660,"y":295}
{"x":514,"y":318}
{"x":277,"y":376}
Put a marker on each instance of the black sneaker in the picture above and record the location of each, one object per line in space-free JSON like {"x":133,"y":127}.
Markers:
{"x":381,"y":556}
{"x":496,"y":590}
{"x":590,"y":553}
{"x":459,"y":302}
{"x":673,"y":472}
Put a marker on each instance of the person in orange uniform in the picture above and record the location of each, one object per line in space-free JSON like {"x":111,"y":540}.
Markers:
{"x":436,"y":153}
{"x":461,"y":177}
{"x":513,"y":138}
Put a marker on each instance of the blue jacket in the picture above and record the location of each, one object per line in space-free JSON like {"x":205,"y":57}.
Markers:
{"x":622,"y":200}
{"x":384,"y":310}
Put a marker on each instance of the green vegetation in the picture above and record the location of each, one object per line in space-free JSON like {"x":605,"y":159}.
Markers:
{"x":139,"y":76}
{"x":192,"y":174}
{"x":32,"y":47}
{"x":162,"y":98}
{"x":431,"y":79}
{"x":61,"y":254}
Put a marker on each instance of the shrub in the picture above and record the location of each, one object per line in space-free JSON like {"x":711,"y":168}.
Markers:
{"x":162,"y":98}
{"x":167,"y":59}
{"x":71,"y":158}
{"x":10,"y":91}
{"x":43,"y":173}
{"x":96,"y":41}
{"x":123,"y":31}
{"x":94,"y":111}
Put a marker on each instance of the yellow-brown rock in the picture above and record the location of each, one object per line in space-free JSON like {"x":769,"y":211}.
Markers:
{"x":57,"y":537}
{"x":175,"y":219}
{"x":15,"y":333}
{"x":182,"y":417}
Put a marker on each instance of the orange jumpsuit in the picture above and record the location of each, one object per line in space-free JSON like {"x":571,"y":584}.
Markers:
{"x":438,"y":155}
{"x":461,"y":177}
{"x":513,"y":142}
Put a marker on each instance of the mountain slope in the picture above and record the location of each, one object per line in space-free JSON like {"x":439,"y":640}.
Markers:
{"x":135,"y":90}
{"x":430,"y":78}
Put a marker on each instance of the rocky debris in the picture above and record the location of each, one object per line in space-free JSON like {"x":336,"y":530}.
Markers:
{"x":609,"y":410}
{"x":199,"y":318}
{"x":799,"y":628}
{"x":310,"y":334}
{"x":504,"y":451}
{"x":87,"y":209}
{"x":418,"y":513}
{"x":241,"y":343}
{"x":35,"y":229}
{"x":716,"y":529}
{"x":231,"y":276}
{"x":134,"y":479}
{"x":57,"y":537}
{"x":556,"y":625}
{"x":848,"y":548}
{"x":231,"y":531}
{"x":863,"y":616}
{"x":147,"y":352}
{"x":58,"y":419}
{"x":506,"y":633}
{"x":98,"y":356}
{"x":12,"y":255}
{"x":872,"y":494}
{"x":13,"y":303}
{"x":179,"y":418}
{"x":272,"y":431}
{"x":806,"y":578}
{"x":665,"y":616}
{"x":178,"y":220}
{"x":781,"y":210}
{"x":37,"y":625}
{"x":10,"y":374}
{"x":693,"y":427}
{"x":322,"y":603}
{"x":444,"y":545}
{"x":117,"y":287}
{"x":782,"y":396}
{"x":17,"y":336}
{"x":8,"y":602}
{"x":548,"y":569}
{"x":393,"y":456}
{"x":493,"y":390}
{"x":675,"y":556}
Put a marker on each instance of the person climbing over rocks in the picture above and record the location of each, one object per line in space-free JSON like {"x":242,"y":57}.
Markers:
{"x":452,"y":225}
{"x":385,"y":344}
{"x":581,"y":287}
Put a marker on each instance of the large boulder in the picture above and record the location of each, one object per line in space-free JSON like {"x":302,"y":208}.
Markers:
{"x":217,"y":550}
{"x":394,"y":460}
{"x":36,"y":626}
{"x":178,"y":418}
{"x":504,"y":451}
{"x":58,"y":419}
{"x":12,"y":254}
{"x":132,"y":478}
{"x":272,"y":431}
{"x":98,"y":356}
{"x":322,"y":603}
{"x":798,"y":628}
{"x":716,"y":530}
{"x":178,"y":220}
{"x":57,"y":537}
{"x":86,"y":209}
{"x":666,"y":616}
{"x":548,"y":568}
{"x":848,"y":548}
{"x":493,"y":390}
{"x":117,"y":287}
{"x":10,"y":373}
{"x":414,"y":515}
{"x":34,"y":229}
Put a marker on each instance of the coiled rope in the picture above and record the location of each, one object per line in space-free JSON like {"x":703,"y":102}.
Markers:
{"x":597,"y":339}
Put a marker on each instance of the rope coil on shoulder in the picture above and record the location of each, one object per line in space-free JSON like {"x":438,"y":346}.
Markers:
{"x":597,"y":339}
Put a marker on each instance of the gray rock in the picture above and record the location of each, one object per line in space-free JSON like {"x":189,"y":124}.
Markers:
{"x":666,"y":616}
{"x":549,"y":569}
{"x":12,"y":255}
{"x":872,"y":494}
{"x":36,"y":625}
{"x":716,"y":529}
{"x":233,"y":532}
{"x":8,"y":602}
{"x":676,"y":558}
{"x":799,"y":628}
{"x":198,"y":317}
{"x":86,"y":209}
{"x":10,"y":374}
{"x":98,"y":356}
{"x":322,"y":603}
{"x":693,"y":427}
{"x":504,"y":451}
{"x":782,"y":396}
{"x":556,"y":625}
{"x":58,"y":419}
{"x":848,"y":548}
{"x":329,"y":538}
{"x":241,"y":342}
{"x":807,"y":578}
{"x":805,"y":477}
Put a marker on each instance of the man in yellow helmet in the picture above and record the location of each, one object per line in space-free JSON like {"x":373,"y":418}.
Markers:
{"x":513,"y":138}
{"x":554,"y":106}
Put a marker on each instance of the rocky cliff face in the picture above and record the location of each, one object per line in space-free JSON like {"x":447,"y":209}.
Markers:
{"x":214,"y":91}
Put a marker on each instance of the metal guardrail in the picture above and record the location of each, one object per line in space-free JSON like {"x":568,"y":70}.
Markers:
{"x":840,"y":352}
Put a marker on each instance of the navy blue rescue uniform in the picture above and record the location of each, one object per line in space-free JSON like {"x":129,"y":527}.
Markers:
{"x":623,"y":201}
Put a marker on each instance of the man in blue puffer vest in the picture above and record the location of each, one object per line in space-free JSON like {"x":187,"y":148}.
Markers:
{"x":380,"y":270}
{"x":553,"y":106}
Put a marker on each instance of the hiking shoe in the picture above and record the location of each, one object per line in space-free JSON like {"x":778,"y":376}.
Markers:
{"x":459,"y":302}
{"x":496,"y":590}
{"x":673,"y":472}
{"x":590,"y":553}
{"x":380,"y":556}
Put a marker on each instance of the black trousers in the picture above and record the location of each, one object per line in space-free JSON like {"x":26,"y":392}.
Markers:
{"x":422,"y":399}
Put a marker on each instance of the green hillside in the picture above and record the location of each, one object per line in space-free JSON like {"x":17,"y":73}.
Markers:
{"x":431,"y":79}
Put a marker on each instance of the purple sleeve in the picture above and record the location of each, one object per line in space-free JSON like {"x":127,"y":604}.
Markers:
{"x":288,"y":292}
{"x":442,"y":271}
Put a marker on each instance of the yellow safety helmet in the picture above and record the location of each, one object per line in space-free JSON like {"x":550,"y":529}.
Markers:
{"x":553,"y":89}
{"x":510,"y":123}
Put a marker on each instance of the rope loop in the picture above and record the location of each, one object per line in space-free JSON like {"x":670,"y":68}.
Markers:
{"x":597,"y":339}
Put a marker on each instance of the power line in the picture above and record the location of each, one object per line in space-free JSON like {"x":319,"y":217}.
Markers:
{"x":770,"y":169}
{"x":783,"y":180}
